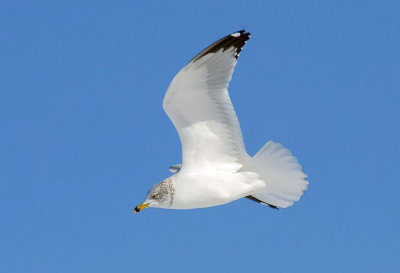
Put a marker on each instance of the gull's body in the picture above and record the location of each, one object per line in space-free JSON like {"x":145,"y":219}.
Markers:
{"x":227,"y":185}
{"x":216,"y":168}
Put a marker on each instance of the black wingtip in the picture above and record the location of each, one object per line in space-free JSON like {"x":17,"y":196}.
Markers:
{"x":261,"y":202}
{"x":236,"y":39}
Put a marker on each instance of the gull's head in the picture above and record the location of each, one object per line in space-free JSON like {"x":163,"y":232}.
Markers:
{"x":160,"y":195}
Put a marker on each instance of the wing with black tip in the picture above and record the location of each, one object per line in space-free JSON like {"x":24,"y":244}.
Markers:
{"x":198,"y":103}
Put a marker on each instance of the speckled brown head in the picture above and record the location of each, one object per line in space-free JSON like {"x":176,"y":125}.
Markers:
{"x":160,"y":195}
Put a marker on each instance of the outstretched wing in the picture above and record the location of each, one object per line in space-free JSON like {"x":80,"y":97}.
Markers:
{"x":198,"y":103}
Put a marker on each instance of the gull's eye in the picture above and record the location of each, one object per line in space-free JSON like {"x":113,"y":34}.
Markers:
{"x":154,"y":196}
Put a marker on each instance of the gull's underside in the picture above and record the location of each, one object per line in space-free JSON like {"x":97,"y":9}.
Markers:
{"x":216,"y":168}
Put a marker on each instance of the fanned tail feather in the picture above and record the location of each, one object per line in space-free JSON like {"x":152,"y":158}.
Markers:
{"x":283,"y":175}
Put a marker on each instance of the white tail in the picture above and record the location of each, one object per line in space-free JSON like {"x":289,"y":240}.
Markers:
{"x":283,"y":175}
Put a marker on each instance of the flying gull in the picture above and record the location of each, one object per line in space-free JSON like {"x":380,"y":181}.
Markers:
{"x":216,"y":169}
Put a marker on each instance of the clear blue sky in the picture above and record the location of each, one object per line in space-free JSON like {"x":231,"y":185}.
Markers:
{"x":83,"y":135}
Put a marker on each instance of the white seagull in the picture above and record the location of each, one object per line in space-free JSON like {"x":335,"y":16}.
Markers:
{"x":216,"y":168}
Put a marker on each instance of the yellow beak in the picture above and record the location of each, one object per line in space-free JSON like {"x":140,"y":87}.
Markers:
{"x":140,"y":207}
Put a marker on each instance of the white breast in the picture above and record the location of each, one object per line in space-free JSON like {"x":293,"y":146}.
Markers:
{"x":213,"y":188}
